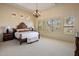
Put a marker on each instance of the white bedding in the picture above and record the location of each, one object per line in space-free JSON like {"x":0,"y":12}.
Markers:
{"x":29,"y":34}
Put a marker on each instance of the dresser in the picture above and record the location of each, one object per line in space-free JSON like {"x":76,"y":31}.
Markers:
{"x":77,"y":46}
{"x":7,"y":36}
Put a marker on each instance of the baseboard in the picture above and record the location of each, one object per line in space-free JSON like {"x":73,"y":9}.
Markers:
{"x":57,"y":39}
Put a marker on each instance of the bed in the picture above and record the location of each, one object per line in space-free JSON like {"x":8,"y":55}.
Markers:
{"x":25,"y":34}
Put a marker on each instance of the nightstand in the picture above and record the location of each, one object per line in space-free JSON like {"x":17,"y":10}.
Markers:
{"x":7,"y":36}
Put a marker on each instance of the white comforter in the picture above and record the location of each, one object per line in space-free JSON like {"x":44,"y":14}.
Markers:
{"x":29,"y":34}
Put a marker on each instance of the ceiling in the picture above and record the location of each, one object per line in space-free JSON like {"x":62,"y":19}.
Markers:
{"x":32,"y":6}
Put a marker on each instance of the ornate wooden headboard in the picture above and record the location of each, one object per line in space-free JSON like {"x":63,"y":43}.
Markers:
{"x":22,"y":25}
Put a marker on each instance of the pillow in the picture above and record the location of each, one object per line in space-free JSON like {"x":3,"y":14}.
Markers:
{"x":22,"y":30}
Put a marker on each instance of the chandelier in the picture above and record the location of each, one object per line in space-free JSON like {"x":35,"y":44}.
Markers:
{"x":36,"y":13}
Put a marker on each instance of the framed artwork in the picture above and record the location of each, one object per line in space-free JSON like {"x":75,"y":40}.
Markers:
{"x":69,"y":25}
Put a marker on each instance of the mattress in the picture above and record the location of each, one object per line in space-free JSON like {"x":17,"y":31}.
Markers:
{"x":28,"y":35}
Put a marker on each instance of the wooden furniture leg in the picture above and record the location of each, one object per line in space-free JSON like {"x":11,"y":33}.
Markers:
{"x":20,"y":39}
{"x":39,"y":36}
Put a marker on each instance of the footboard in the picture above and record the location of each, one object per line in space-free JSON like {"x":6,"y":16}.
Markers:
{"x":21,"y":40}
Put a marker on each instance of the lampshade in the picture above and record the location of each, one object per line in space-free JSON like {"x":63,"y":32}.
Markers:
{"x":9,"y":28}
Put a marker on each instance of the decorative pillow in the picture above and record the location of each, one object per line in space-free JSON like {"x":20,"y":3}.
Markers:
{"x":22,"y":30}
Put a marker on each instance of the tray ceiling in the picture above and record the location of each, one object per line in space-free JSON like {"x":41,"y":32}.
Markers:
{"x":32,"y":6}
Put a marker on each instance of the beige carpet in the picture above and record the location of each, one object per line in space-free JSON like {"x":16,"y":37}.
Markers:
{"x":44,"y":47}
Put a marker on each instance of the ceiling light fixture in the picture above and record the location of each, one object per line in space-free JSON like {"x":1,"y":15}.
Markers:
{"x":36,"y":13}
